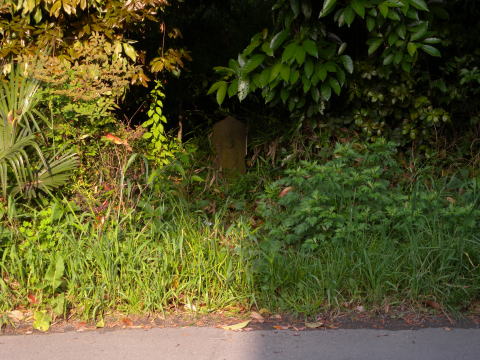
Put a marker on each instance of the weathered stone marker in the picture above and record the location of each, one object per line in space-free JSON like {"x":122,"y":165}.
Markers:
{"x":229,"y":139}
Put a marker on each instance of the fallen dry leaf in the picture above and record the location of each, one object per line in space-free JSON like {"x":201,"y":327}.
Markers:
{"x":360,"y":309}
{"x":433,"y":304}
{"x":451,"y":200}
{"x":314,"y":325}
{"x":281,"y":327}
{"x":235,"y":327}
{"x":285,"y":191}
{"x":32,"y":299}
{"x":264,"y":311}
{"x":256,"y":316}
{"x":190,"y":307}
{"x":16,"y":315}
{"x":302,"y":328}
{"x":127,"y":322}
{"x":277,"y":317}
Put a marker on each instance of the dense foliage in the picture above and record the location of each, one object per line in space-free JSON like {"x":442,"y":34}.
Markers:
{"x":362,"y":183}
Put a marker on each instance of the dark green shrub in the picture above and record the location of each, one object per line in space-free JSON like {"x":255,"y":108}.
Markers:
{"x":360,"y":193}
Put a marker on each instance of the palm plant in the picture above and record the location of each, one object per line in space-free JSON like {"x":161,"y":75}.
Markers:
{"x":21,"y":157}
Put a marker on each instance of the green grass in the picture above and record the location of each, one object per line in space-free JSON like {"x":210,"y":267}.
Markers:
{"x":135,"y":265}
{"x":369,"y":271}
{"x":163,"y":254}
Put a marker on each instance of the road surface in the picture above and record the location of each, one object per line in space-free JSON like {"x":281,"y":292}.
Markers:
{"x":217,"y":344}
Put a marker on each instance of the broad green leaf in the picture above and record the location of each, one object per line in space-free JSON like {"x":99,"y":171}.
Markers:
{"x":431,"y":50}
{"x":321,"y":71}
{"x":347,"y":63}
{"x":383,"y":7}
{"x":331,"y":66}
{"x":328,"y":52}
{"x":267,"y":49}
{"x":412,"y":48}
{"x":349,"y":15}
{"x":54,"y":274}
{"x":285,"y":72}
{"x":315,"y":94}
{"x":310,"y":47}
{"x":307,"y":9}
{"x":334,"y":85}
{"x":233,"y":87}
{"x":393,"y":15}
{"x":253,"y":63}
{"x":397,"y":59}
{"x":370,"y":23}
{"x":284,"y":94}
{"x":294,"y":76}
{"x":326,"y":91}
{"x":392,"y":38}
{"x":359,"y":7}
{"x":309,"y":68}
{"x":419,"y":4}
{"x":295,"y":5}
{"x":374,"y":45}
{"x":221,"y":92}
{"x":223,"y":70}
{"x":290,"y":52}
{"x":413,"y":14}
{"x":406,"y":66}
{"x":420,"y":32}
{"x":432,"y":40}
{"x":214,"y":87}
{"x":278,"y":39}
{"x":59,"y":304}
{"x":388,"y":60}
{"x":300,"y":55}
{"x":241,"y":60}
{"x":341,"y":76}
{"x":306,"y":84}
{"x":275,"y":71}
{"x":264,"y":77}
{"x":401,"y":31}
{"x":328,"y":5}
{"x":342,"y":48}
{"x":254,"y":43}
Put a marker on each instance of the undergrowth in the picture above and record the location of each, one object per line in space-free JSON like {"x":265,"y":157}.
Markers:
{"x":352,"y":227}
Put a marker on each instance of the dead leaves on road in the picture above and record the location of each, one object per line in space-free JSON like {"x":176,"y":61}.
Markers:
{"x":236,"y":327}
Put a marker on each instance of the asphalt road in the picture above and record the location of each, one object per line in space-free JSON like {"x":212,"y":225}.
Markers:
{"x":213,"y":344}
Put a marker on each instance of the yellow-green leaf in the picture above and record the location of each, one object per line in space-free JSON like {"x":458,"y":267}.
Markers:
{"x":238,"y":326}
{"x":41,"y":320}
{"x":130,"y":51}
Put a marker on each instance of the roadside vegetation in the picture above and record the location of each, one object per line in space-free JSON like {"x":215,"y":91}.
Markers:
{"x":362,"y":183}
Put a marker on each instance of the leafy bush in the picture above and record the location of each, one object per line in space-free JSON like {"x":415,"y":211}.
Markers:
{"x":358,"y":193}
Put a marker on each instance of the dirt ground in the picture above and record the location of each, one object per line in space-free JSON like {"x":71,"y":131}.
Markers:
{"x":357,"y":318}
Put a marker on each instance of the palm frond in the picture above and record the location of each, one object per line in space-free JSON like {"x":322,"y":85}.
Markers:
{"x":55,"y":174}
{"x":18,"y":142}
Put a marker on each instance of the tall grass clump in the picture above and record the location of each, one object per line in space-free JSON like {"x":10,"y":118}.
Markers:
{"x":358,"y":228}
{"x":148,"y":259}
